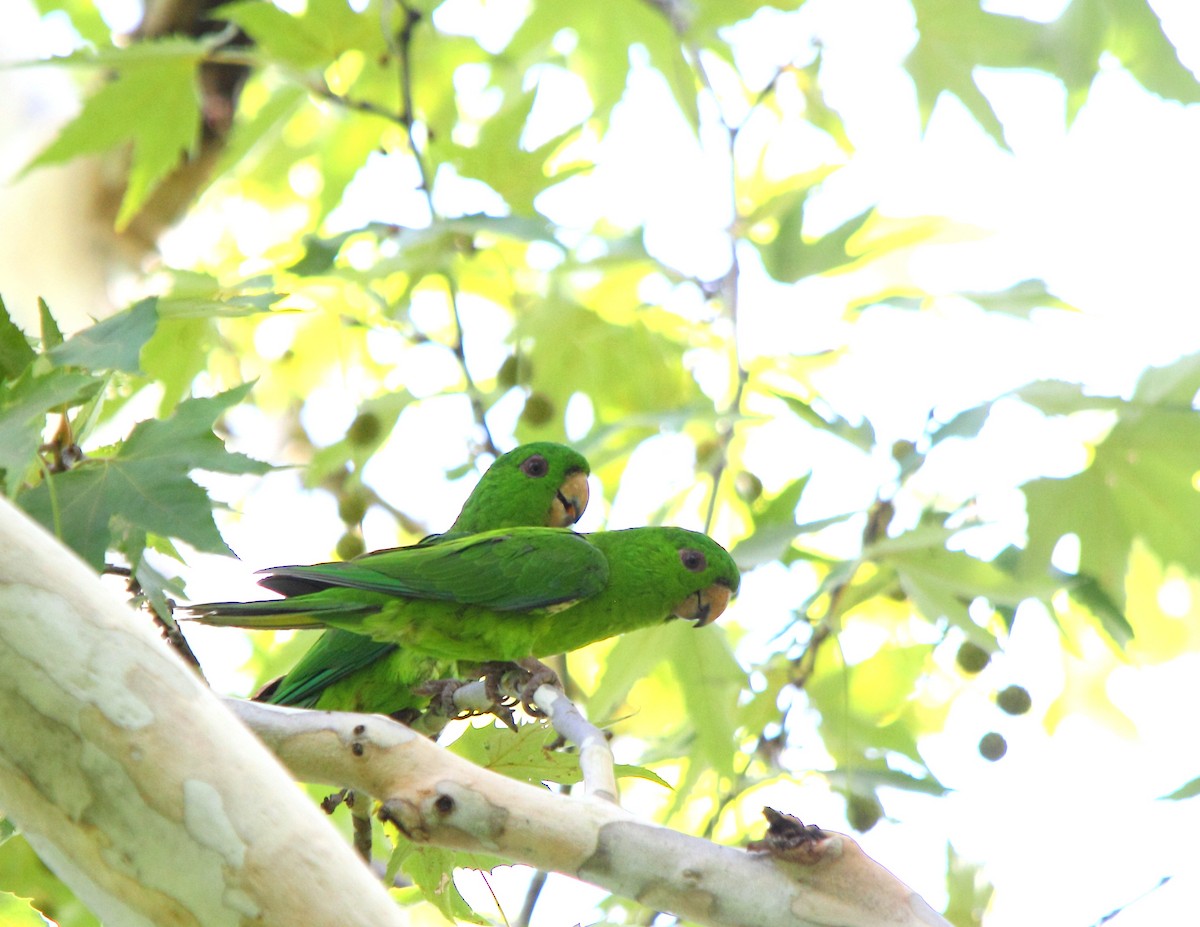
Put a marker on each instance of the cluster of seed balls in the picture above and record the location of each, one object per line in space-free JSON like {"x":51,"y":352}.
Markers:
{"x":1013,"y":700}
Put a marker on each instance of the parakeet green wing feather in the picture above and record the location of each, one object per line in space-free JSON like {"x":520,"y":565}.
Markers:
{"x":336,"y":655}
{"x":516,"y":569}
{"x":296,"y":613}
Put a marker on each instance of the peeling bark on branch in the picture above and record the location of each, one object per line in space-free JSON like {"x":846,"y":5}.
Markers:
{"x":132,"y":782}
{"x":438,"y":798}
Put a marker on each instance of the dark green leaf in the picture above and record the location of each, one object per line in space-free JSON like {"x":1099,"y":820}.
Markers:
{"x":521,"y":755}
{"x":114,"y":343}
{"x":23,"y":411}
{"x":15,"y":352}
{"x":432,"y":872}
{"x":51,"y":336}
{"x":157,"y":587}
{"x":145,"y":485}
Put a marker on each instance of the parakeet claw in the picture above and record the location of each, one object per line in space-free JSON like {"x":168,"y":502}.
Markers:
{"x":531,"y":674}
{"x":441,"y":697}
{"x":443,"y":702}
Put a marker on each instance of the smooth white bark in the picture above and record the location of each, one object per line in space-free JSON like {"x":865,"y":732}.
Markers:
{"x":132,"y":781}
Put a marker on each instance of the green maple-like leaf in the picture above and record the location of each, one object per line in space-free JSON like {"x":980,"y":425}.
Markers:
{"x":956,"y":37}
{"x":519,"y":755}
{"x":432,"y":872}
{"x":145,"y":485}
{"x":525,"y":755}
{"x":15,"y":352}
{"x":152,"y":103}
{"x":23,"y":409}
{"x":1139,"y":485}
{"x":114,"y":343}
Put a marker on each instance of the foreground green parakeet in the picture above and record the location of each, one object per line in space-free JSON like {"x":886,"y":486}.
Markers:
{"x":501,"y":595}
{"x":541,"y":483}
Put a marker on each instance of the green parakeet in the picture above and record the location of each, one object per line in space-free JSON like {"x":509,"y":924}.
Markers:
{"x":501,"y":595}
{"x":541,"y":483}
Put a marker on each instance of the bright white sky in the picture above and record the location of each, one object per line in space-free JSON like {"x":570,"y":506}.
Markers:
{"x":1068,"y":826}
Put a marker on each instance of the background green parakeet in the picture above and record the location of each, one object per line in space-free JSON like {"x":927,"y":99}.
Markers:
{"x":502,"y":595}
{"x":541,"y":483}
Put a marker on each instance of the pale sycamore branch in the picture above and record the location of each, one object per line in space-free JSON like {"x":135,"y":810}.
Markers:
{"x":131,"y":781}
{"x":822,"y":879}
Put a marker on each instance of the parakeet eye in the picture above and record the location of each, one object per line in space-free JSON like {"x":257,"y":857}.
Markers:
{"x":693,"y":560}
{"x":535,"y":466}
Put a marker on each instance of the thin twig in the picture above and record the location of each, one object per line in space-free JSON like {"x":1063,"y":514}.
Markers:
{"x":408,"y":118}
{"x":536,"y":883}
{"x":802,"y":667}
{"x":727,"y":289}
{"x":324,"y":92}
{"x":474,"y":396}
{"x":168,"y":629}
{"x":407,"y":115}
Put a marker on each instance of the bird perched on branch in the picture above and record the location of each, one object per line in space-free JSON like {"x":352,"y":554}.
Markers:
{"x":542,"y":484}
{"x":504,"y":595}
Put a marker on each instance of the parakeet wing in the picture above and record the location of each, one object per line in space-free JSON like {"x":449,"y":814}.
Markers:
{"x":335,"y":655}
{"x":518,"y":569}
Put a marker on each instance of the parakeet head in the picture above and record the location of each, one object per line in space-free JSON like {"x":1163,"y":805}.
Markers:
{"x":684,"y":573}
{"x":537,"y":484}
{"x":707,"y":573}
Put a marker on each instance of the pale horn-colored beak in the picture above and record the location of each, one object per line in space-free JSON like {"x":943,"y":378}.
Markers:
{"x":705,"y":606}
